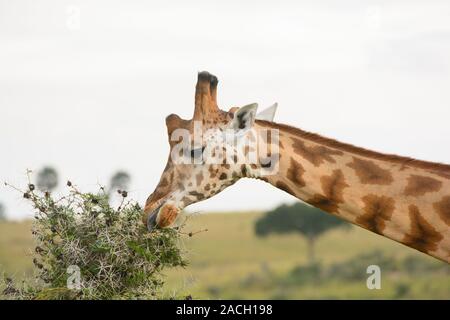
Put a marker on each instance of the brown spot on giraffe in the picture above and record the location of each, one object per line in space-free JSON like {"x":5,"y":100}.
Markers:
{"x":295,"y":173}
{"x":378,"y":210}
{"x":198,"y":195}
{"x":283,"y":186}
{"x":223,"y":176}
{"x":332,"y":187}
{"x":422,"y":236}
{"x":323,"y":203}
{"x":212,"y":172}
{"x":443,"y":209}
{"x":419,"y":185}
{"x":316,"y":154}
{"x":186,"y":200}
{"x":370,"y":173}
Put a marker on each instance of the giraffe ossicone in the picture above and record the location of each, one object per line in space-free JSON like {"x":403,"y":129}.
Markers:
{"x":400,"y":198}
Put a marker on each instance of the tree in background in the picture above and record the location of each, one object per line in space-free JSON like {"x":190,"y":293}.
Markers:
{"x":302,"y":218}
{"x":2,"y":212}
{"x":47,"y":179}
{"x":120,"y":181}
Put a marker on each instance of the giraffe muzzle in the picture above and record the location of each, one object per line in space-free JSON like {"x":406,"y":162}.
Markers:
{"x":162,"y":217}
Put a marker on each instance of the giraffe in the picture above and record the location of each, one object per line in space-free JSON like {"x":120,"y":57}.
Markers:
{"x":400,"y":198}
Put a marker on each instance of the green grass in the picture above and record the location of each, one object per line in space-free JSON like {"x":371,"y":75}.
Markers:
{"x":229,"y":261}
{"x":16,"y":245}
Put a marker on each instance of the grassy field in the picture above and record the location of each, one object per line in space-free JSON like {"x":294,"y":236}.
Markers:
{"x":229,"y":261}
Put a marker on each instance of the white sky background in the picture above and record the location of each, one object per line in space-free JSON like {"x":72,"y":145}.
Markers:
{"x":92,"y":100}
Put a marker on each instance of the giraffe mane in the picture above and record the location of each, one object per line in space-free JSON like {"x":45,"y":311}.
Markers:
{"x":406,"y":161}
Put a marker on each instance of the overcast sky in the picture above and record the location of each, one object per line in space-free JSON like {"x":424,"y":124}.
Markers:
{"x":85,"y":85}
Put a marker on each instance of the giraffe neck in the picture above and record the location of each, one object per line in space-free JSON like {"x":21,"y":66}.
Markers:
{"x":400,"y":198}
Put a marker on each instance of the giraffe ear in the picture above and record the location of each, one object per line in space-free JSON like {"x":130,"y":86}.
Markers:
{"x":268,"y":114}
{"x":173,"y":122}
{"x":244,"y":118}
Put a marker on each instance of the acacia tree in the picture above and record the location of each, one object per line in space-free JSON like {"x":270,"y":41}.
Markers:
{"x":112,"y":252}
{"x":302,"y":218}
{"x":47,"y":179}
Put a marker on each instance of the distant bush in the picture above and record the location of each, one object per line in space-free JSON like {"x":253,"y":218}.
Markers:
{"x":214,"y":291}
{"x":355,"y":268}
{"x":401,"y":290}
{"x":251,"y":280}
{"x":111,"y":251}
{"x":416,"y":265}
{"x":311,"y":273}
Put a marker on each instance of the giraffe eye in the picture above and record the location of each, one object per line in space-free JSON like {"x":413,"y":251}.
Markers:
{"x":196,"y":153}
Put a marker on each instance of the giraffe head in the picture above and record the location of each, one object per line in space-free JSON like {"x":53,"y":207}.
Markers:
{"x":208,"y":153}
